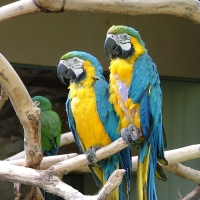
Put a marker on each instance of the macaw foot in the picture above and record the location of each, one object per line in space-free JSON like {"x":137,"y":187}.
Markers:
{"x":131,"y":134}
{"x":91,"y":155}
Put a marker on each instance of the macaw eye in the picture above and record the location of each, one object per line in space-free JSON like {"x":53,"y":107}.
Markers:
{"x":37,"y":103}
{"x":75,"y":60}
{"x":124,"y":37}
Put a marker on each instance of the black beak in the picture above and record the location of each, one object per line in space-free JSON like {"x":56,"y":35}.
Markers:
{"x":112,"y":49}
{"x":70,"y":74}
{"x":62,"y":72}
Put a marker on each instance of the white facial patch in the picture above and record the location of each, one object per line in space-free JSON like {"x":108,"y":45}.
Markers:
{"x":37,"y":103}
{"x":75,"y":64}
{"x":122,"y":39}
{"x":78,"y":71}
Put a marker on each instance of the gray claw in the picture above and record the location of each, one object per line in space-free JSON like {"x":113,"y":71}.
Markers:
{"x":130,"y":134}
{"x":91,"y":155}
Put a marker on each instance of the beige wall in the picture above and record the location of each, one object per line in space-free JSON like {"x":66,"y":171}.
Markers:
{"x":41,"y":39}
{"x":173,"y":43}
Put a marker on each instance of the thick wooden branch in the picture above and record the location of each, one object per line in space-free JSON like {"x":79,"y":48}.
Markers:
{"x":184,"y":172}
{"x":46,"y":162}
{"x":51,"y":183}
{"x":3,"y":97}
{"x":27,"y":112}
{"x":194,"y":195}
{"x":114,"y":181}
{"x":185,"y":8}
{"x":66,"y":138}
{"x":79,"y":163}
{"x":26,"y":192}
{"x":173,"y":156}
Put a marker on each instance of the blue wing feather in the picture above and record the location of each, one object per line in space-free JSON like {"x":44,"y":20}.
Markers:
{"x":72,"y":127}
{"x":141,"y":78}
{"x":145,"y":89}
{"x":110,"y":121}
{"x":72,"y":124}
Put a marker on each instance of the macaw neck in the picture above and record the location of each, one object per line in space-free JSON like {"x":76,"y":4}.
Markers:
{"x":88,"y":77}
{"x":138,"y":51}
{"x":121,"y":69}
{"x":86,"y":82}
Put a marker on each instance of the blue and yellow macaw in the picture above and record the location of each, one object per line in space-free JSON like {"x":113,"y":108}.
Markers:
{"x":136,"y":95}
{"x":91,"y":117}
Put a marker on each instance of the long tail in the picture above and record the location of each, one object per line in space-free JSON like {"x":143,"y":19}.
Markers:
{"x":126,"y":163}
{"x":108,"y":166}
{"x":147,"y":163}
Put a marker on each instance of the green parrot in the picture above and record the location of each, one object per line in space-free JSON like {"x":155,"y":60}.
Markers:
{"x":50,"y":126}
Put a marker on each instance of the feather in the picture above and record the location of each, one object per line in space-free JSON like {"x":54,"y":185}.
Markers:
{"x":50,"y":126}
{"x":93,"y":121}
{"x":140,"y":105}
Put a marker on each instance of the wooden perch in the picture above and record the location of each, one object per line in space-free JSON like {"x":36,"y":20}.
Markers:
{"x":51,"y":183}
{"x":3,"y":97}
{"x":184,"y":172}
{"x":79,"y":164}
{"x":29,"y":116}
{"x":27,"y":112}
{"x":50,"y":179}
{"x":110,"y":186}
{"x":185,"y":8}
{"x":173,"y":156}
{"x":194,"y":195}
{"x":66,"y":138}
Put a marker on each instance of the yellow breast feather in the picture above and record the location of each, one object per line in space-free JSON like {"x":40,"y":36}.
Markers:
{"x":128,"y":112}
{"x":138,"y":50}
{"x":84,"y":109}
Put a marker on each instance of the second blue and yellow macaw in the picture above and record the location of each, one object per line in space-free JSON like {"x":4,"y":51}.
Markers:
{"x":91,"y":117}
{"x":136,"y":94}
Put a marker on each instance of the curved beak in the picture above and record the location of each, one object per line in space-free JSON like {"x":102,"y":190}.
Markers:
{"x":62,"y":72}
{"x":111,"y":48}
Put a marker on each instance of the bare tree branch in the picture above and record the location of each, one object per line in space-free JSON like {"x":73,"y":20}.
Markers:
{"x":16,"y":156}
{"x":189,"y":9}
{"x":183,"y":154}
{"x":114,"y":180}
{"x":46,"y":162}
{"x":3,"y":97}
{"x":184,"y":172}
{"x":27,"y":192}
{"x":27,"y":112}
{"x":194,"y":195}
{"x":79,"y":163}
{"x":51,"y":183}
{"x":66,"y":138}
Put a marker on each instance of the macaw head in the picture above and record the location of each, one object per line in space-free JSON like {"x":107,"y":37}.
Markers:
{"x":42,"y":103}
{"x":122,"y":42}
{"x":77,"y":65}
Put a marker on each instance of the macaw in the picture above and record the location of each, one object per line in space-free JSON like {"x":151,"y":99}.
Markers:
{"x":91,"y":117}
{"x":51,"y":126}
{"x":136,"y":95}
